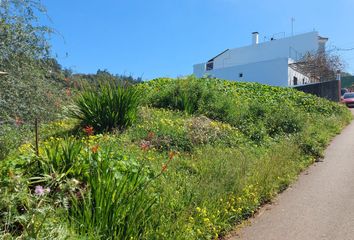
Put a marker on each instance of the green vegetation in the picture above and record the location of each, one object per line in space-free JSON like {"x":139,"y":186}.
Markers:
{"x":33,"y":87}
{"x":347,"y":81}
{"x":107,"y":107}
{"x":166,"y":159}
{"x":199,"y":156}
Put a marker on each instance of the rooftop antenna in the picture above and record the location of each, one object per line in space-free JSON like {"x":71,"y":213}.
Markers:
{"x":292,"y":26}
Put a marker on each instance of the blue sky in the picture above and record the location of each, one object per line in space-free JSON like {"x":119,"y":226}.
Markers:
{"x":164,"y":38}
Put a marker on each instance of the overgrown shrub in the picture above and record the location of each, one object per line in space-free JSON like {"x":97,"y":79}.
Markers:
{"x":108,"y":107}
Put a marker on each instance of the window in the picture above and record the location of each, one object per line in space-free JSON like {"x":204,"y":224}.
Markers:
{"x":209,"y":66}
{"x":240,"y":75}
{"x":348,"y":95}
{"x":295,"y":81}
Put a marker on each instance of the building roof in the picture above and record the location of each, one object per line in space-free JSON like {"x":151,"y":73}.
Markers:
{"x":218,"y":55}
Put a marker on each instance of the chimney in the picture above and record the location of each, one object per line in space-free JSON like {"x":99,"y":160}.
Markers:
{"x":255,"y":38}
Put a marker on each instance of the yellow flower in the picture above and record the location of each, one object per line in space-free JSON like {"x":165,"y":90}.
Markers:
{"x":24,"y":148}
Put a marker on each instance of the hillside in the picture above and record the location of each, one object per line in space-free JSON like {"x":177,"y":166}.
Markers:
{"x":165,"y":159}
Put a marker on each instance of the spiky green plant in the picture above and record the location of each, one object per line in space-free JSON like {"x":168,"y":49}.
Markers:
{"x":107,"y":107}
{"x":114,"y":206}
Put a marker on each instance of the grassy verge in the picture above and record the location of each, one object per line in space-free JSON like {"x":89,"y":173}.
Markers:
{"x":201,"y":156}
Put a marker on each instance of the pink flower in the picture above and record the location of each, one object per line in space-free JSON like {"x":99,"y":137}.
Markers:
{"x":145,"y":145}
{"x":39,"y":190}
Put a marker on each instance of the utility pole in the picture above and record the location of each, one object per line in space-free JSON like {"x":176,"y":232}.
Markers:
{"x":292,"y":26}
{"x":339,"y":84}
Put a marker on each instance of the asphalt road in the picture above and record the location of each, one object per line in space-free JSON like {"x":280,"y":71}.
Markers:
{"x":319,"y":206}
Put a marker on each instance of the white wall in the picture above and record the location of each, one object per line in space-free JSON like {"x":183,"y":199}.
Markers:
{"x":264,"y":62}
{"x":199,"y":69}
{"x":290,"y":47}
{"x":301,"y":78}
{"x":273,"y":72}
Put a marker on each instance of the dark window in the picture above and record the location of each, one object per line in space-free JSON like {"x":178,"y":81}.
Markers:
{"x":209,"y":66}
{"x":295,"y":80}
{"x":348,"y":95}
{"x":240,"y":75}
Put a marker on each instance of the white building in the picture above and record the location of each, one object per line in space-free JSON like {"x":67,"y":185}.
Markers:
{"x":270,"y":62}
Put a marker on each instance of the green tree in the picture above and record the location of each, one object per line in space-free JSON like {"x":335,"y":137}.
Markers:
{"x":34,"y":86}
{"x":29,"y":90}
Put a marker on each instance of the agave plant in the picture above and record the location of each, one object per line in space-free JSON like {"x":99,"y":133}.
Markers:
{"x":109,"y":106}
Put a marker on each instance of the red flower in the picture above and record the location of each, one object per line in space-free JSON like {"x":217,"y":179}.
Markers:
{"x":94,"y":149}
{"x":171,"y":155}
{"x":89,"y":130}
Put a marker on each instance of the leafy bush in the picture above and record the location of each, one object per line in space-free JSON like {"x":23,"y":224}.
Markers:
{"x":108,"y":107}
{"x":62,"y":157}
{"x":102,"y":194}
{"x":24,"y":214}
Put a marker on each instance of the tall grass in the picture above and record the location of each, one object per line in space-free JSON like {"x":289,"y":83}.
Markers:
{"x":107,"y":107}
{"x":115,"y":206}
{"x":186,"y":95}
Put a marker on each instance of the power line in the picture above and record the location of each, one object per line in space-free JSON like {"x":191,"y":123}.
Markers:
{"x":345,"y":49}
{"x":336,"y":49}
